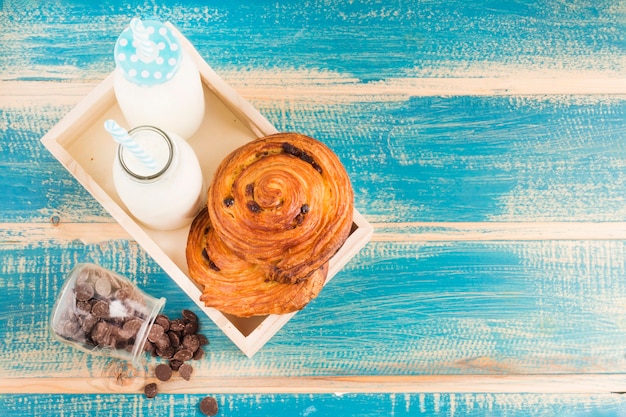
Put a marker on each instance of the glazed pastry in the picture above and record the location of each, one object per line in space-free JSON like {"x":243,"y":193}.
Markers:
{"x":278,"y":209}
{"x":237,"y":287}
{"x":284,"y":201}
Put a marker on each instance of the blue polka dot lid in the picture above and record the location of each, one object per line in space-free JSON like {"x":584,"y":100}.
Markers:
{"x":147,"y":52}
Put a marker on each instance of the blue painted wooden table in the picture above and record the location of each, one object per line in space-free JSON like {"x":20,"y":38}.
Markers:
{"x":486,"y":144}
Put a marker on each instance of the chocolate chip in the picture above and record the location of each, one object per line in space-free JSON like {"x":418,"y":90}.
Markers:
{"x":191,"y":328}
{"x":205,"y":255}
{"x":148,"y":347}
{"x":316,"y":167}
{"x":178,"y":345}
{"x":177,"y":325}
{"x":163,"y":321}
{"x":100,"y":309}
{"x":190,"y":315}
{"x":163,"y":372}
{"x":175,"y":364}
{"x":174,"y":339}
{"x":299,"y":153}
{"x":191,"y":342}
{"x":198,"y":354}
{"x":83,"y":276}
{"x":70,"y":328}
{"x":132,"y":326}
{"x":291,"y":150}
{"x":250,"y":190}
{"x":84,"y":291}
{"x":101,"y":333}
{"x":185,"y":371}
{"x":183,"y":354}
{"x":166,"y":352}
{"x":122,"y":333}
{"x":162,"y":342}
{"x":307,"y":158}
{"x":229,"y":201}
{"x":155,"y":333}
{"x":121,"y":344}
{"x":83,"y":307}
{"x":208,"y":406}
{"x":213,"y":266}
{"x":123,"y":294}
{"x":151,"y":390}
{"x":253,"y":206}
{"x":88,"y":322}
{"x":103,"y":286}
{"x":304,"y":209}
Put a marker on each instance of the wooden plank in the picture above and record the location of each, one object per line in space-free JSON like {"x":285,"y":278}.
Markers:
{"x":305,"y":85}
{"x":450,"y":159}
{"x":399,"y":308}
{"x":369,"y":40}
{"x":59,"y":232}
{"x":497,"y":231}
{"x":134,"y":384}
{"x":326,"y":405}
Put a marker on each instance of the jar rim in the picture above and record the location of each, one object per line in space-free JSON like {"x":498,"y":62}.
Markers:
{"x":170,"y":145}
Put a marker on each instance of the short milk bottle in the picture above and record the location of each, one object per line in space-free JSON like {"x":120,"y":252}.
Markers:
{"x":156,"y":82}
{"x":157,"y":176}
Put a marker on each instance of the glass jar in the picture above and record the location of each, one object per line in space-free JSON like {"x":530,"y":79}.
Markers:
{"x":103,"y":313}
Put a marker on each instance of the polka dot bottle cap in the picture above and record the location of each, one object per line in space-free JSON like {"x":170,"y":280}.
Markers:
{"x":147,"y":52}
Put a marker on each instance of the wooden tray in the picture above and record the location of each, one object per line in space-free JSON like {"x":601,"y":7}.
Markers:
{"x":81,"y":144}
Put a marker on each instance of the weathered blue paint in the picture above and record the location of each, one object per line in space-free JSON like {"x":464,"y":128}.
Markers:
{"x":409,"y":309}
{"x":371,"y":40}
{"x":328,"y":405}
{"x":423,"y":159}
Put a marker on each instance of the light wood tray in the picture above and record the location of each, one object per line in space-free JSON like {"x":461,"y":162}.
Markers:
{"x":81,"y":144}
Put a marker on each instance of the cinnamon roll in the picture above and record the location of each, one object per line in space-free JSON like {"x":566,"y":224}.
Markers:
{"x":278,"y":209}
{"x":235,"y":286}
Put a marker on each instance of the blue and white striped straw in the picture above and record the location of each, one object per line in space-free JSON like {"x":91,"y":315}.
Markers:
{"x":121,"y":136}
{"x":145,"y":48}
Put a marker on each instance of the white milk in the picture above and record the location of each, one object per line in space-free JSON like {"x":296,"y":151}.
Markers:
{"x":165,"y":198}
{"x":156,"y":82}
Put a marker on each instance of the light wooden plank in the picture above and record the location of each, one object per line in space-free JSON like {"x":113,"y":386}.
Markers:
{"x":61,"y":233}
{"x":303,"y":85}
{"x":130,"y":382}
{"x":497,"y":231}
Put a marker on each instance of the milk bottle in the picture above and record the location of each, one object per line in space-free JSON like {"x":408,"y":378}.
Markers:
{"x":157,"y":176}
{"x":156,"y":82}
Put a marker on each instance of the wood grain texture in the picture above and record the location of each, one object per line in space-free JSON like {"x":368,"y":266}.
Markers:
{"x":369,"y":40}
{"x":329,"y":405}
{"x":423,"y":159}
{"x":416,"y":308}
{"x":485,"y":142}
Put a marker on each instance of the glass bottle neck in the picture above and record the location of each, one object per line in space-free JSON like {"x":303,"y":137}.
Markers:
{"x":154,"y":142}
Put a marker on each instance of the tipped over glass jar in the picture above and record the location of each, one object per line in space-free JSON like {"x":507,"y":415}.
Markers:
{"x":101,"y":312}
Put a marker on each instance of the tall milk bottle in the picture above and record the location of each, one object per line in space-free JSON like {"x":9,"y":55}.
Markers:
{"x":156,"y":82}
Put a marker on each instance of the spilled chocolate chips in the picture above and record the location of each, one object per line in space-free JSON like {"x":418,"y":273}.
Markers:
{"x":178,"y":342}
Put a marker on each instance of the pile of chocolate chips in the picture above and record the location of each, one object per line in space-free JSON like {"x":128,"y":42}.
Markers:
{"x":178,"y":342}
